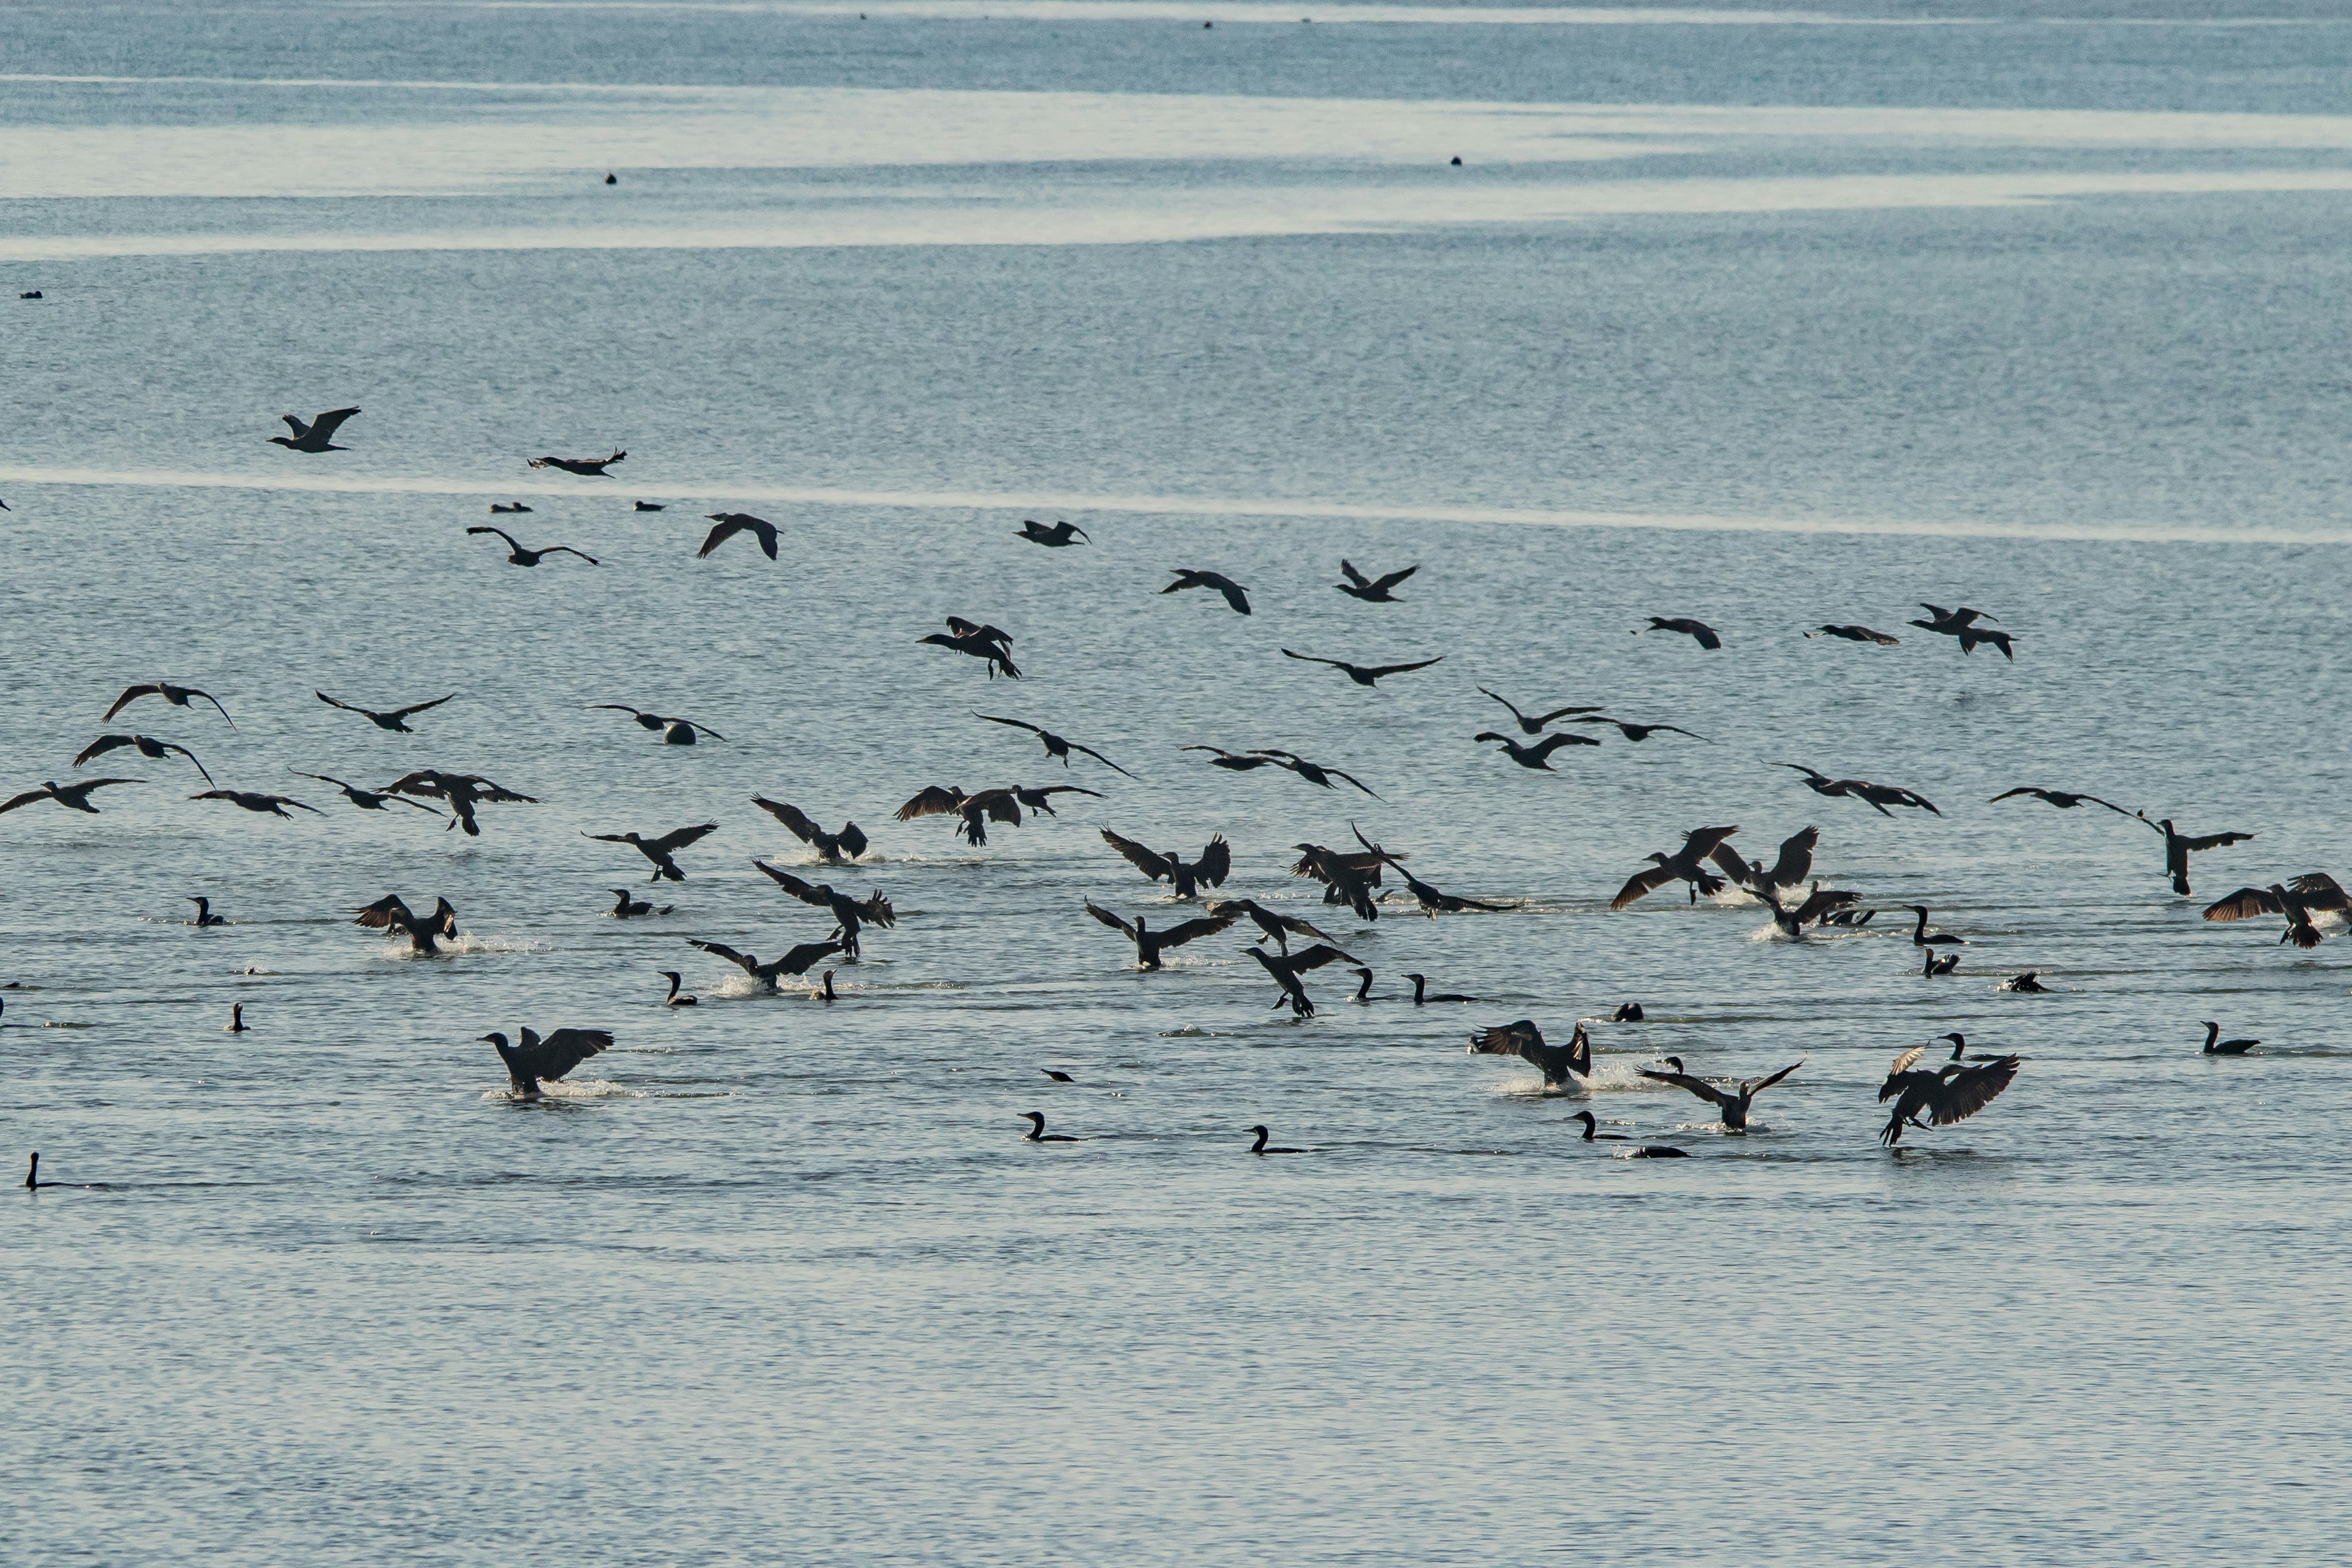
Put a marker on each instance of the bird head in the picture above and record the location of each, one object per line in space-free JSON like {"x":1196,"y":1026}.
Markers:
{"x":498,"y":1041}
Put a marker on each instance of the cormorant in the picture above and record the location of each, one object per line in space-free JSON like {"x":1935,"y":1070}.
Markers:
{"x":1364,"y":985}
{"x":2179,"y":847}
{"x":1943,"y":1095}
{"x":1856,"y":634}
{"x":1684,"y":864}
{"x":1930,"y":965}
{"x":1642,"y":1151}
{"x":2215,"y":1046}
{"x":2065,"y":800}
{"x":676,"y":981}
{"x":1148,"y":943}
{"x":728,"y":524}
{"x":1639,"y":732}
{"x":1236,"y":595}
{"x":1628,"y":1012}
{"x":586,"y":468}
{"x":177,"y":695}
{"x":317,"y":435}
{"x":1260,"y":1146}
{"x":1537,"y":756}
{"x":518,"y":556}
{"x":1053,"y":538}
{"x":1698,"y":631}
{"x":977,"y":641}
{"x":1423,"y":998}
{"x":1361,"y":674}
{"x":1279,"y":927}
{"x":73,"y":796}
{"x":2026,"y":984}
{"x":1056,"y":1073}
{"x":1877,"y":796}
{"x":2314,"y":893}
{"x":1819,"y":904}
{"x":1055,"y":746}
{"x":1734,"y":1104}
{"x":833,"y":848}
{"x":395,"y":721}
{"x":237,"y":1018}
{"x":388,"y":913}
{"x":33,"y":1183}
{"x":1794,"y":864}
{"x":1038,"y":1133}
{"x":1920,"y":937}
{"x":1215,"y":864}
{"x":659,"y":850}
{"x":464,"y":792}
{"x":1534,"y":726}
{"x":850,"y":913}
{"x":365,"y":799}
{"x":649,"y":506}
{"x":1313,"y":773}
{"x":989,"y":806}
{"x":824,"y":992}
{"x":1232,"y":761}
{"x":1285,"y":969}
{"x":204,"y":916}
{"x":1347,"y":878}
{"x":1961,"y":624}
{"x":796,"y":962}
{"x":508,"y":509}
{"x":254,"y":801}
{"x":673,"y":732}
{"x":148,"y":746}
{"x":549,"y":1060}
{"x":1372,"y":591}
{"x":1524,"y":1040}
{"x":626,"y":907}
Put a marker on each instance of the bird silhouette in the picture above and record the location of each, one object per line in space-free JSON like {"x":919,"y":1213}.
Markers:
{"x":977,"y":811}
{"x":547,"y":1059}
{"x":1943,"y":1095}
{"x":1055,"y":746}
{"x":1522,"y":1039}
{"x":177,"y":695}
{"x":317,"y":435}
{"x":1537,"y":756}
{"x":146,"y":745}
{"x":1364,"y":675}
{"x":1698,"y":631}
{"x":728,"y":524}
{"x":673,"y":732}
{"x":834,"y":849}
{"x":660,"y":850}
{"x":1236,"y":595}
{"x":1215,"y":864}
{"x":1733,"y":1103}
{"x":425,"y":932}
{"x":256,"y":802}
{"x":518,"y":556}
{"x":1149,"y":943}
{"x":1372,"y":591}
{"x":1534,"y":725}
{"x":847,"y":912}
{"x":796,"y":962}
{"x":395,"y":720}
{"x":978,"y":641}
{"x":1856,"y":634}
{"x":586,"y":468}
{"x":1053,"y":538}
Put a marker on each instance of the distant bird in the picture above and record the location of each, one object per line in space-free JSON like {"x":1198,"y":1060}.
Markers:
{"x":1628,"y":1012}
{"x":731,"y":523}
{"x":677,"y":998}
{"x":1684,"y":864}
{"x":177,"y":695}
{"x":1313,"y":773}
{"x":1877,"y":796}
{"x":2315,"y":893}
{"x":849,"y":914}
{"x":1364,"y":675}
{"x":1960,"y":1051}
{"x":1056,"y":1073}
{"x":978,"y":641}
{"x":660,"y":850}
{"x":2179,"y":847}
{"x":1644,"y":1151}
{"x":396,"y":719}
{"x":254,"y":801}
{"x":548,"y":1059}
{"x":1371,"y":590}
{"x":796,"y":962}
{"x":1260,"y":1146}
{"x":1148,"y":943}
{"x":2065,"y":800}
{"x":1930,"y":965}
{"x":834,"y":849}
{"x":1053,"y":538}
{"x":464,"y":792}
{"x":824,"y":992}
{"x":1818,"y":905}
{"x":1961,"y":624}
{"x":508,"y":509}
{"x":27,"y":294}
{"x":1698,"y":631}
{"x":1055,"y":746}
{"x":147,"y":745}
{"x":1232,"y":761}
{"x":989,"y":806}
{"x":1284,"y":970}
{"x":1038,"y":1133}
{"x":1856,"y":634}
{"x":1422,"y":997}
{"x":426,"y":932}
{"x":33,"y":1183}
{"x":517,"y":555}
{"x":73,"y":796}
{"x":204,"y":916}
{"x":673,"y":732}
{"x":365,"y":799}
{"x":649,"y":506}
{"x":1794,"y":864}
{"x":1434,"y":903}
{"x":1524,"y":1040}
{"x":1733,"y":1103}
{"x":1274,"y":926}
{"x":1537,"y":756}
{"x":2215,"y":1046}
{"x":1236,"y":595}
{"x":1347,"y":878}
{"x":586,"y":468}
{"x":626,"y":908}
{"x":1215,"y":864}
{"x":1920,"y":937}
{"x":317,"y":435}
{"x":1535,"y":725}
{"x":2027,"y":985}
{"x":1364,"y":985}
{"x":1943,"y":1095}
{"x":1639,"y":732}
{"x":237,"y":1018}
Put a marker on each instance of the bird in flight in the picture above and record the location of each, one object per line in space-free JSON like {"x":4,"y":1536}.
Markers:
{"x":587,"y":467}
{"x":1348,"y":877}
{"x":148,"y":746}
{"x":1236,"y":595}
{"x":728,"y":524}
{"x":425,"y":932}
{"x":1684,"y":864}
{"x":673,"y":732}
{"x":2314,"y":893}
{"x":396,"y":719}
{"x":1537,"y":756}
{"x":659,"y":850}
{"x":253,"y":801}
{"x":1639,"y":732}
{"x":518,"y":556}
{"x":1943,"y":1095}
{"x":73,"y":796}
{"x":1698,"y":631}
{"x":464,"y":792}
{"x":2179,"y":847}
{"x":1961,"y":624}
{"x":1794,"y":864}
{"x":796,"y":962}
{"x":1053,"y":538}
{"x":2065,"y":800}
{"x":547,"y":1058}
{"x":1856,"y":634}
{"x":1055,"y":746}
{"x":1285,"y":968}
{"x":831,"y":847}
{"x":978,"y":641}
{"x":1733,"y":1103}
{"x":317,"y":435}
{"x":1215,"y":864}
{"x":177,"y":695}
{"x":1877,"y":796}
{"x":1372,"y":591}
{"x":365,"y":799}
{"x":1524,"y":1040}
{"x":1232,"y":761}
{"x":1364,"y":675}
{"x":989,"y":806}
{"x":1148,"y":943}
{"x":1313,"y":773}
{"x":1535,"y":725}
{"x":849,"y":914}
{"x":1279,"y":927}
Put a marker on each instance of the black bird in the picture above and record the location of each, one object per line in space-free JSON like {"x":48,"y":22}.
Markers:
{"x":1056,"y":1073}
{"x":1794,"y":864}
{"x":1347,"y":878}
{"x":518,"y":556}
{"x":1524,"y":1040}
{"x":2065,"y":800}
{"x":677,"y":981}
{"x":365,"y":799}
{"x":1930,"y":965}
{"x":1643,"y":1152}
{"x":1215,"y":864}
{"x":2179,"y":847}
{"x":464,"y":792}
{"x":1148,"y":943}
{"x":673,"y":732}
{"x":2215,"y":1046}
{"x":1363,"y":984}
{"x":1877,"y":796}
{"x":2314,"y":893}
{"x":1537,"y":756}
{"x":2027,"y":985}
{"x":548,"y":1059}
{"x":626,"y":908}
{"x":649,"y":506}
{"x":1313,"y":773}
{"x":1279,"y":928}
{"x":1960,"y":1051}
{"x":1422,"y":997}
{"x":33,"y":1183}
{"x":1535,"y":725}
{"x":1053,"y":538}
{"x":1236,"y":595}
{"x":659,"y":850}
{"x":317,"y":435}
{"x":1372,"y":591}
{"x":1055,"y":746}
{"x":1856,"y":634}
{"x":850,"y":913}
{"x":978,"y":641}
{"x":731,"y":523}
{"x":508,"y":509}
{"x":1260,"y":1147}
{"x":1434,"y":903}
{"x":1920,"y":937}
{"x":1684,"y":864}
{"x":1733,"y":1103}
{"x":1232,"y":761}
{"x":586,"y":468}
{"x":824,"y":992}
{"x":425,"y":932}
{"x":1961,"y":624}
{"x":1285,"y":969}
{"x":833,"y":848}
{"x":237,"y":1018}
{"x":395,"y":721}
{"x":989,"y":806}
{"x":1038,"y":1133}
{"x":1364,"y":675}
{"x":1818,"y":906}
{"x":796,"y":962}
{"x":1639,"y":732}
{"x":1943,"y":1095}
{"x":1698,"y":631}
{"x":177,"y":695}
{"x":73,"y":796}
{"x":148,"y":746}
{"x":204,"y":916}
{"x":1628,"y":1012}
{"x":254,"y":801}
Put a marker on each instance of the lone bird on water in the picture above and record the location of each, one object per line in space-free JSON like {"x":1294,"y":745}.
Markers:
{"x":2215,"y":1046}
{"x":1643,"y":1152}
{"x":1260,"y":1146}
{"x":518,"y":556}
{"x":395,"y":719}
{"x":626,"y":907}
{"x":204,"y":916}
{"x":317,"y":435}
{"x":1038,"y":1133}
{"x":547,"y":1059}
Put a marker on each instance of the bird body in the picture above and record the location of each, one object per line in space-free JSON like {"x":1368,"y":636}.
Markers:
{"x":1053,"y":538}
{"x":834,"y":849}
{"x":1363,"y":674}
{"x":1313,"y":773}
{"x":2179,"y":847}
{"x":673,"y":732}
{"x":978,"y":641}
{"x":1422,"y":997}
{"x":254,"y":801}
{"x":177,"y":695}
{"x":365,"y":799}
{"x":2300,"y":900}
{"x":1733,"y":1103}
{"x":1151,"y":944}
{"x":1038,"y":1133}
{"x":74,"y":796}
{"x":1260,"y":1147}
{"x":1558,"y":1064}
{"x":1640,"y":1152}
{"x":1055,"y":746}
{"x":1274,"y":926}
{"x":425,"y":932}
{"x":1684,"y":864}
{"x":1943,"y":1095}
{"x":204,"y":916}
{"x":678,"y":997}
{"x":147,"y":746}
{"x":1537,"y":756}
{"x":1877,"y":796}
{"x":626,"y":907}
{"x":2215,"y":1046}
{"x":586,"y":468}
{"x":1285,"y":970}
{"x":794,"y":962}
{"x":1372,"y":591}
{"x":546,"y":1059}
{"x":464,"y":792}
{"x":1217,"y":863}
{"x":1856,"y":634}
{"x":1706,"y":635}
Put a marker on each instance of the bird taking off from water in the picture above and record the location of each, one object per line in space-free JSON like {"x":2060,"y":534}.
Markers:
{"x":546,"y":1059}
{"x":831,"y":847}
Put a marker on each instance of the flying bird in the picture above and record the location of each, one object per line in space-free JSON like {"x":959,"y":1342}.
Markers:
{"x":978,"y":641}
{"x":464,"y":792}
{"x":1534,"y":725}
{"x":796,"y":962}
{"x":1232,"y":761}
{"x":1639,"y":732}
{"x":1236,"y":595}
{"x":2065,"y":800}
{"x":177,"y":695}
{"x":1522,"y":1039}
{"x":1943,"y":1095}
{"x":396,"y":719}
{"x":659,"y":850}
{"x":1285,"y":968}
{"x":426,"y":932}
{"x":546,"y":1059}
{"x":1364,"y":675}
{"x":731,"y":523}
{"x":2315,"y":893}
{"x":586,"y":468}
{"x":978,"y":811}
{"x":1961,"y":624}
{"x":834,"y":849}
{"x":1372,"y":591}
{"x":1640,"y":1152}
{"x":73,"y":796}
{"x":1794,"y":864}
{"x":2179,"y":847}
{"x":1856,"y":634}
{"x":1148,"y":943}
{"x":1698,"y":631}
{"x":1313,"y":773}
{"x":148,"y":746}
{"x":673,"y":732}
{"x":1347,"y":878}
{"x":317,"y":435}
{"x":1215,"y":864}
{"x":1537,"y":756}
{"x":517,"y":555}
{"x":1684,"y":864}
{"x":1055,"y":746}
{"x":1877,"y":796}
{"x":1276,"y":926}
{"x":849,"y":914}
{"x":1733,"y":1103}
{"x":1818,"y":905}
{"x":254,"y":801}
{"x":1053,"y":538}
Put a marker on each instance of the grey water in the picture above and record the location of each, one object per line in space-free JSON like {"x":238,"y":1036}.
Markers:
{"x":1770,"y":318}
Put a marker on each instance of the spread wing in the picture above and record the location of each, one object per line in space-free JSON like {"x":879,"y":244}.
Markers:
{"x":877,"y":911}
{"x":936,"y":801}
{"x":2321,"y":892}
{"x":1216,"y":861}
{"x":1554,"y":741}
{"x":720,"y":532}
{"x":1507,"y":1039}
{"x":1358,"y":578}
{"x":1378,"y":670}
{"x":1039,"y":799}
{"x":806,"y":892}
{"x":484,"y":789}
{"x":102,"y":745}
{"x":1970,"y":1091}
{"x":1098,"y":757}
{"x":678,"y":838}
{"x":1144,"y":860}
{"x":792,"y":817}
{"x":742,"y":961}
{"x":1015,"y":723}
{"x":131,"y":694}
{"x":1821,"y":900}
{"x":1697,"y":1086}
{"x":1319,"y":955}
{"x":1733,"y":865}
{"x":555,"y":1055}
{"x":1757,"y":1086}
{"x":1236,"y":595}
{"x":2244,"y":905}
{"x":385,"y":912}
{"x":325,"y":425}
{"x":797,"y":961}
{"x":1903,"y":1064}
{"x":2214,"y":840}
{"x":1796,"y":861}
{"x":1110,"y":919}
{"x":418,"y":707}
{"x":1641,"y":886}
{"x":1310,"y":658}
{"x":1194,"y":930}
{"x":1391,"y":580}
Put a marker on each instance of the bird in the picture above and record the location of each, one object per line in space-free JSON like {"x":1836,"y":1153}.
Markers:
{"x":1422,"y":997}
{"x":1931,"y":966}
{"x":1920,"y":937}
{"x":2215,"y":1046}
{"x":365,"y":799}
{"x":649,"y":506}
{"x":148,"y":746}
{"x":989,"y":806}
{"x":978,"y":641}
{"x":1960,"y":1051}
{"x":1639,"y":732}
{"x":1535,"y":725}
{"x":1364,"y":986}
{"x":1818,"y":903}
{"x":254,"y":801}
{"x":1053,"y":538}
{"x":1347,"y":878}
{"x":1943,"y":1095}
{"x":824,"y":992}
{"x":177,"y":695}
{"x":1038,"y":1133}
{"x":2179,"y":847}
{"x":1232,"y":761}
{"x":1698,"y":631}
{"x":204,"y":916}
{"x":1372,"y":591}
{"x":796,"y":962}
{"x":847,"y":912}
{"x":1961,"y":624}
{"x":1434,"y":903}
{"x":426,"y":932}
{"x":464,"y":792}
{"x":673,"y":732}
{"x":1236,"y":595}
{"x":518,"y":556}
{"x":1794,"y":864}
{"x":2028,"y":984}
{"x":731,"y":523}
{"x":1285,"y":969}
{"x":1523,"y":1039}
{"x":546,"y":1059}
{"x":317,"y":435}
{"x":396,"y":719}
{"x":1280,"y":928}
{"x":1056,"y":1073}
{"x":1055,"y":746}
{"x":659,"y":850}
{"x":1313,"y":773}
{"x":2314,"y":893}
{"x":2065,"y":800}
{"x":586,"y":468}
{"x":1364,"y":675}
{"x":1628,"y":1012}
{"x":1684,"y":864}
{"x":1877,"y":796}
{"x":508,"y":509}
{"x":33,"y":1183}
{"x":74,"y":796}
{"x":626,"y":908}
{"x":1260,"y":1132}
{"x":676,"y":997}
{"x":237,"y":1018}
{"x":1217,"y":863}
{"x":1643,"y":1152}
{"x":1537,"y":756}
{"x":1734,"y":1104}
{"x":833,"y":848}
{"x":1148,"y":943}
{"x":1856,"y":634}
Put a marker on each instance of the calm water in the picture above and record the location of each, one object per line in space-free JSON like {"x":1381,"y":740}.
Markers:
{"x":1771,"y":320}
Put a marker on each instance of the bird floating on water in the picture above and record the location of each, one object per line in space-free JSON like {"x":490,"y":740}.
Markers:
{"x":1931,"y":966}
{"x":678,"y":997}
{"x":1038,"y":1133}
{"x":147,"y":746}
{"x":1640,"y":1152}
{"x":627,"y":908}
{"x":1053,"y":538}
{"x":649,"y":506}
{"x":1628,"y":1012}
{"x":1055,"y":746}
{"x":1260,"y":1147}
{"x":508,"y":509}
{"x":834,"y":849}
{"x":204,"y":916}
{"x":2026,"y":984}
{"x":1422,"y":997}
{"x":317,"y":435}
{"x":673,"y":732}
{"x":2215,"y":1046}
{"x":546,"y":1059}
{"x":395,"y":718}
{"x":587,"y":467}
{"x":237,"y":1025}
{"x":1372,"y":591}
{"x":519,"y":556}
{"x":1236,"y":595}
{"x":177,"y":695}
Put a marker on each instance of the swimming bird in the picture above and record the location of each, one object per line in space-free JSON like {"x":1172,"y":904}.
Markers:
{"x":1056,"y":1073}
{"x":676,"y":998}
{"x":978,"y":811}
{"x":2215,"y":1046}
{"x":2065,"y":800}
{"x":626,"y":908}
{"x":1646,"y":1151}
{"x":1038,"y":1133}
{"x":237,"y":1018}
{"x":548,"y":1059}
{"x":1537,"y":756}
{"x":1053,"y":538}
{"x":824,"y":992}
{"x":1628,"y":1012}
{"x":796,"y":962}
{"x":396,"y":719}
{"x":833,"y":848}
{"x":2314,"y":893}
{"x":1818,"y":903}
{"x":1364,"y":675}
{"x":204,"y":916}
{"x":365,"y":799}
{"x":177,"y":695}
{"x":1363,"y":984}
{"x":1276,"y":926}
{"x":1260,"y":1146}
{"x":508,"y":509}
{"x":2179,"y":847}
{"x":659,"y":850}
{"x":1639,"y":732}
{"x":1943,"y":1095}
{"x":728,"y":524}
{"x":1960,"y":1051}
{"x":1148,"y":943}
{"x":978,"y":641}
{"x":1930,"y":965}
{"x":1055,"y":746}
{"x":1232,"y":761}
{"x":1920,"y":937}
{"x":517,"y":555}
{"x":1371,"y":590}
{"x":1422,"y":997}
{"x":33,"y":1183}
{"x":1525,"y":1041}
{"x":1877,"y":796}
{"x":1698,"y":631}
{"x":1684,"y":864}
{"x":849,"y":914}
{"x":649,"y":506}
{"x":1285,"y":969}
{"x":148,"y":746}
{"x":586,"y":468}
{"x":254,"y":801}
{"x":426,"y":932}
{"x":1313,"y":773}
{"x":1236,"y":595}
{"x":1535,"y":725}
{"x":1217,"y":863}
{"x":673,"y":732}
{"x":2028,"y":984}
{"x":1961,"y":624}
{"x":1794,"y":864}
{"x":1856,"y":634}
{"x":73,"y":796}
{"x":464,"y":792}
{"x":1733,"y":1103}
{"x":317,"y":435}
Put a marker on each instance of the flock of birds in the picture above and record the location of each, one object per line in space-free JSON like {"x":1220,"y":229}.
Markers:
{"x":1351,"y":876}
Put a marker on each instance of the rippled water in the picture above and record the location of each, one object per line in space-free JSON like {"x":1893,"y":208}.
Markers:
{"x":1771,"y":321}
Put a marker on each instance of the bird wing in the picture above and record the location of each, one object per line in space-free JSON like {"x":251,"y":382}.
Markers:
{"x":742,"y":961}
{"x":1378,"y":670}
{"x":567,"y":550}
{"x":1697,"y":1086}
{"x":1504,"y":701}
{"x":279,"y":799}
{"x":1110,"y":919}
{"x":1758,"y":1085}
{"x":1707,"y":636}
{"x":1319,"y":955}
{"x":555,"y":1055}
{"x":797,"y":961}
{"x":102,"y":745}
{"x":765,"y":532}
{"x":1216,"y":862}
{"x":1903,"y":1064}
{"x":332,"y":702}
{"x":131,"y":694}
{"x":1796,"y":861}
{"x":877,"y":911}
{"x":1310,"y":658}
{"x":1641,"y":886}
{"x":1970,"y":1091}
{"x":325,"y":425}
{"x":1507,"y":1039}
{"x":295,"y":424}
{"x":28,"y":798}
{"x":644,"y":719}
{"x":852,"y":838}
{"x":1194,"y":930}
{"x":2244,"y":905}
{"x":1098,"y":757}
{"x":1236,"y":595}
{"x":1392,"y":579}
{"x":1015,"y":723}
{"x":936,"y":801}
{"x":418,"y":707}
{"x":1353,"y":780}
{"x":495,"y":794}
{"x":678,"y":838}
{"x":2214,"y":840}
{"x":1554,"y":741}
{"x":502,"y":534}
{"x":387,"y":911}
{"x":1560,"y":713}
{"x":2022,"y":789}
{"x":1700,"y":842}
{"x":806,"y":892}
{"x":1733,"y":865}
{"x":792,"y":817}
{"x":610,"y":838}
{"x":1358,"y":578}
{"x":1151,"y":864}
{"x":1821,"y":900}
{"x":1038,"y":799}
{"x":2320,"y":891}
{"x":720,"y":532}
